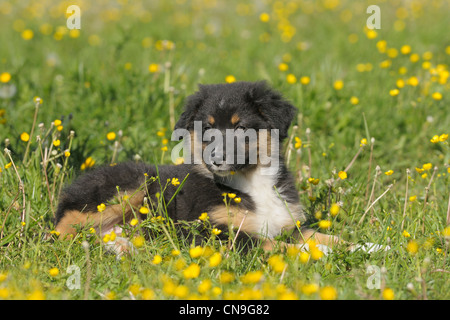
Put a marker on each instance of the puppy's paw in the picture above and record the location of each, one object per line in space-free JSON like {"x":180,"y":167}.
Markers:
{"x":326,"y":250}
{"x":120,"y":246}
{"x":369,"y":247}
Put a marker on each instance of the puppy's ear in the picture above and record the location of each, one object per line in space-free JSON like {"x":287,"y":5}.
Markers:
{"x":277,"y":111}
{"x":193,"y":103}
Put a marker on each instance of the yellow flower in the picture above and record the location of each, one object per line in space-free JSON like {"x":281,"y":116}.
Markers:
{"x":400,"y":83}
{"x":196,"y":252}
{"x":446,"y":232}
{"x":413,"y":81}
{"x":232,"y":195}
{"x":354,"y":100}
{"x":324,"y":224}
{"x":427,"y":55}
{"x":435,"y":139}
{"x":277,"y":263}
{"x":412,"y":198}
{"x":175,"y":181}
{"x":437,"y":96}
{"x":381,"y":46}
{"x":394,"y":92}
{"x":8,"y":165}
{"x":5,"y":77}
{"x":420,"y":170}
{"x":252,"y":277}
{"x":66,"y":154}
{"x":338,"y":85}
{"x":298,"y":143}
{"x":36,"y":294}
{"x":334,"y":209}
{"x":406,"y":234}
{"x":216,"y":231}
{"x":264,"y":17}
{"x":106,"y":238}
{"x":305,"y":80}
{"x":230,"y":79}
{"x":328,"y":293}
{"x":389,"y":172}
{"x":111,"y":136}
{"x":134,"y":222}
{"x":342,"y":175}
{"x":226,"y":277}
{"x":406,"y":49}
{"x":313,"y":181}
{"x":443,"y":137}
{"x":56,"y":143}
{"x":164,"y":148}
{"x":388,"y":294}
{"x":412,"y":247}
{"x":101,"y":207}
{"x":298,"y":223}
{"x":283,"y":66}
{"x":363,"y":142}
{"x":160,"y":133}
{"x":57,"y":122}
{"x":24,"y":137}
{"x":215,"y":259}
{"x":53,"y":272}
{"x":304,"y":257}
{"x":291,"y":79}
{"x":371,"y":34}
{"x":153,"y":68}
{"x":59,"y":128}
{"x":310,"y":288}
{"x":203,"y":216}
{"x":385,"y":64}
{"x":414,"y":57}
{"x":27,"y":34}
{"x":427,"y":166}
{"x":157,"y":259}
{"x":204,"y":286}
{"x":144,"y":210}
{"x":392,"y":52}
{"x":138,"y":241}
{"x":237,"y":200}
{"x":192,"y":271}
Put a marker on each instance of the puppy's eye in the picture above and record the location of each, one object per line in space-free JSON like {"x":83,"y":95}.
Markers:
{"x":206,"y":127}
{"x":240,"y":127}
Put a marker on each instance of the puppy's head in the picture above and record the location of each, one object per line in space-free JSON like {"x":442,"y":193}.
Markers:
{"x":235,"y":113}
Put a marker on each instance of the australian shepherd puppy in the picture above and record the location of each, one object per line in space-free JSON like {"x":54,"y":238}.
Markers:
{"x":232,"y":140}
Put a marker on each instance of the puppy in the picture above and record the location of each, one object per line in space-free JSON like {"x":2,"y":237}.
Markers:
{"x":232,"y":138}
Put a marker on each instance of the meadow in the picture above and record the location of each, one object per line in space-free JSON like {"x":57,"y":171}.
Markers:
{"x":369,"y":147}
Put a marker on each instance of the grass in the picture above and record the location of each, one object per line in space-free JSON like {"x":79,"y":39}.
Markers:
{"x":131,"y":64}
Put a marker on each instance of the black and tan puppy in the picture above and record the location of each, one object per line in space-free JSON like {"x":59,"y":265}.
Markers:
{"x":251,"y":118}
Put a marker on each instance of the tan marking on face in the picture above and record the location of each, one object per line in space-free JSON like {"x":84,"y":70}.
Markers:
{"x":211,"y":120}
{"x":235,"y":118}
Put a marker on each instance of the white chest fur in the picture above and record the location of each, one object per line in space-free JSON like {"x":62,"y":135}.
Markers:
{"x":272,"y":212}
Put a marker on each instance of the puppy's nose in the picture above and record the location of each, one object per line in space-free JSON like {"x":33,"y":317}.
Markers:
{"x":217,"y":158}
